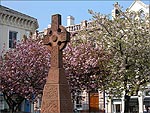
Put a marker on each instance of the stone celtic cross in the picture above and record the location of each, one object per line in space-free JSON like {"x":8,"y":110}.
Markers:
{"x":56,"y":95}
{"x":56,"y":39}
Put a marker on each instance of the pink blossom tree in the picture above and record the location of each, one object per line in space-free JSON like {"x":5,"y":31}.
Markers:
{"x":23,"y":72}
{"x":85,"y":64}
{"x":24,"y":69}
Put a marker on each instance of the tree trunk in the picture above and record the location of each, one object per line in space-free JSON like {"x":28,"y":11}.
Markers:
{"x":126,"y":104}
{"x":14,"y":107}
{"x":13,"y":103}
{"x":11,"y":110}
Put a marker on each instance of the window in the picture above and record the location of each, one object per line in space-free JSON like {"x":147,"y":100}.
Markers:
{"x":12,"y":39}
{"x":142,"y":14}
{"x":79,"y":101}
{"x":117,"y":12}
{"x":117,"y":108}
{"x":1,"y":101}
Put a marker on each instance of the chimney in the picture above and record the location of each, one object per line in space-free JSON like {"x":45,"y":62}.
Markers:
{"x":70,"y":20}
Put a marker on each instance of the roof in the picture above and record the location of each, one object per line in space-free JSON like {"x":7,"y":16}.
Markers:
{"x":3,"y":8}
{"x":8,"y":11}
{"x":139,"y":2}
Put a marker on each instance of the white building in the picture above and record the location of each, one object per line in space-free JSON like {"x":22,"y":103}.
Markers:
{"x":13,"y":27}
{"x":138,"y":5}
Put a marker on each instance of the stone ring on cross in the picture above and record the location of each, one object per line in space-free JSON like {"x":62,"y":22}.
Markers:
{"x":57,"y":35}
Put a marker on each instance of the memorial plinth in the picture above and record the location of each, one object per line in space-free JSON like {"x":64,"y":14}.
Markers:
{"x":56,"y":94}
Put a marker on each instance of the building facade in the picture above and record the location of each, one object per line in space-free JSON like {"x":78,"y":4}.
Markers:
{"x":13,"y":27}
{"x":98,"y":101}
{"x":138,"y":103}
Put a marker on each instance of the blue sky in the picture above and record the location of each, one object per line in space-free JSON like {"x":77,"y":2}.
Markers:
{"x":42,"y":10}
